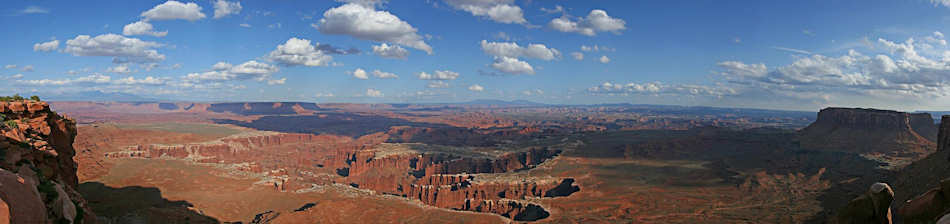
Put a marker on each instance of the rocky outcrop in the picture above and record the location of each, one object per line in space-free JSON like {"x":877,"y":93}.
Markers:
{"x":928,"y":207}
{"x":37,"y":173}
{"x":859,"y":130}
{"x":871,"y":207}
{"x":456,"y":182}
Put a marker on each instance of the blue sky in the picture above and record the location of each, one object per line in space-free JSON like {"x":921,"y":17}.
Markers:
{"x":801,"y":55}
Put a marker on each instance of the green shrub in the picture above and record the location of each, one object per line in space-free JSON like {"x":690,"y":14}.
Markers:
{"x":35,"y":98}
{"x":10,"y":124}
{"x":17,"y":97}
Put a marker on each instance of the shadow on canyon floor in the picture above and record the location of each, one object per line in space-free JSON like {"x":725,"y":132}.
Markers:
{"x":135,"y":204}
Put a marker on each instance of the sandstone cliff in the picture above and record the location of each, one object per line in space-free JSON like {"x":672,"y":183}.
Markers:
{"x":920,"y":193}
{"x":37,"y":173}
{"x":863,"y":131}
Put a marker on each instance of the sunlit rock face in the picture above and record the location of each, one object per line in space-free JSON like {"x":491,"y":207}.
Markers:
{"x":37,"y":173}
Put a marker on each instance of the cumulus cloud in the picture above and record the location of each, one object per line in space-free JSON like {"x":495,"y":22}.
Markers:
{"x":596,"y":21}
{"x":363,"y":21}
{"x":299,"y":52}
{"x":122,"y":49}
{"x":439,"y":75}
{"x":604,"y":59}
{"x":506,"y":56}
{"x":577,"y":56}
{"x":359,"y":74}
{"x":245,"y":25}
{"x":476,"y":88}
{"x":596,"y":48}
{"x":512,"y":66}
{"x":97,"y":79}
{"x":438,"y":84}
{"x":171,"y":10}
{"x":374,"y":93}
{"x":224,"y":8}
{"x":501,"y":11}
{"x":280,"y":81}
{"x":9,"y":66}
{"x":384,"y":75}
{"x":536,"y":92}
{"x":142,"y":28}
{"x":223,"y":71}
{"x":508,"y":49}
{"x":121,"y":68}
{"x":390,"y":51}
{"x":945,"y":3}
{"x":46,"y":46}
{"x":28,"y":68}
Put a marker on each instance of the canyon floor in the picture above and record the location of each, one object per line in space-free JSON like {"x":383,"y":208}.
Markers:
{"x":287,"y":163}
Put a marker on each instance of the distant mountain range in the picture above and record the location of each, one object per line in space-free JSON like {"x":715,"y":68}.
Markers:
{"x":98,"y":96}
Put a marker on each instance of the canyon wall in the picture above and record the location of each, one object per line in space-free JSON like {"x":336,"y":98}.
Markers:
{"x":37,"y":173}
{"x":859,"y":130}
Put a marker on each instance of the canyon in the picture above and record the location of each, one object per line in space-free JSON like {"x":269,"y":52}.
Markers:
{"x":424,"y":164}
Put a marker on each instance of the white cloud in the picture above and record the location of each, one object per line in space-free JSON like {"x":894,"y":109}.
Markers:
{"x":321,"y":95}
{"x":384,"y":75}
{"x":658,"y":88}
{"x":508,"y":49}
{"x":439,"y":75}
{"x":365,"y":22}
{"x":299,"y":52}
{"x":15,"y":76}
{"x":596,"y":21}
{"x":438,"y":84}
{"x":122,"y":49}
{"x":142,"y":28}
{"x":223,"y":71}
{"x":46,"y":46}
{"x":742,"y":69}
{"x":224,"y":8}
{"x":596,"y":48}
{"x":28,"y":68}
{"x":280,"y":81}
{"x":476,"y":88}
{"x":604,"y":59}
{"x":501,"y":11}
{"x":174,"y":10}
{"x":512,"y":66}
{"x":390,"y":51}
{"x":578,"y":55}
{"x":373,"y":93}
{"x":506,"y":56}
{"x":945,"y":3}
{"x":34,"y":10}
{"x":359,"y":74}
{"x":9,"y":66}
{"x":245,"y":25}
{"x":556,"y":9}
{"x":121,"y":68}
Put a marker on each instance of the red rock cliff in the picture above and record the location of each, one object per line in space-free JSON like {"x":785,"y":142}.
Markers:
{"x":37,"y":173}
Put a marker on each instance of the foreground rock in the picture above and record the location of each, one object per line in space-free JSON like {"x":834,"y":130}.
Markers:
{"x":872,"y":207}
{"x":37,"y":173}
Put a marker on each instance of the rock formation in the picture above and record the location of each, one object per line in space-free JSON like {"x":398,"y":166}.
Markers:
{"x":37,"y":173}
{"x":928,"y":207}
{"x":872,"y":207}
{"x":859,"y":130}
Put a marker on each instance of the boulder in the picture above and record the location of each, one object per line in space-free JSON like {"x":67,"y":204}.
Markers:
{"x":871,"y":207}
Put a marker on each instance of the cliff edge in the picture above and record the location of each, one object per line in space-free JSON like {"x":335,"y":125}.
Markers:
{"x":37,"y":173}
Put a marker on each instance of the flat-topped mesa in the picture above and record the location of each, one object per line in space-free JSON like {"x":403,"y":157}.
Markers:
{"x":233,"y":149}
{"x":37,"y":173}
{"x":861,"y":130}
